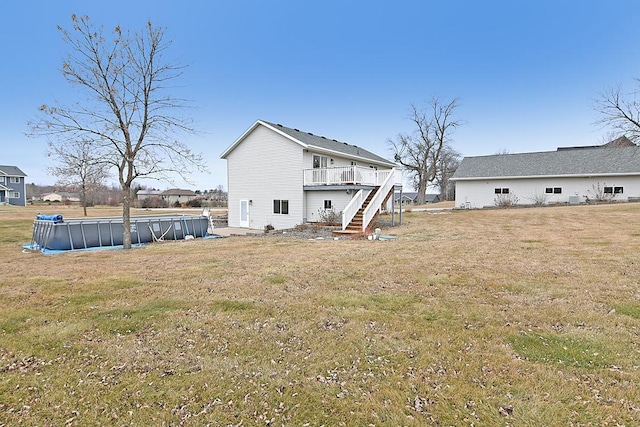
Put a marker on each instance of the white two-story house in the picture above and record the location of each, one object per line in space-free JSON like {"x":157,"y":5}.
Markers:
{"x":283,"y":177}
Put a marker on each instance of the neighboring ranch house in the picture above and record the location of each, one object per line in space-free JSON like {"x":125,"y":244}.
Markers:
{"x":61,"y":196}
{"x":569,"y":175}
{"x":13,"y":188}
{"x":178,"y":195}
{"x":283,"y":177}
{"x":411,"y":198}
{"x":147,"y":194}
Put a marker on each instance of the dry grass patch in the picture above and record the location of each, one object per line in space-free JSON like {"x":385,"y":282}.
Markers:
{"x":497,"y":317}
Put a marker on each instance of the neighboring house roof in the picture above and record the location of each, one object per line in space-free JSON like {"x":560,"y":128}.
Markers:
{"x":319,"y":143}
{"x":412,"y":196}
{"x":178,"y":192}
{"x":432,"y":198}
{"x":408,"y":195}
{"x":148,"y":193}
{"x":11,"y":171}
{"x":598,"y":161}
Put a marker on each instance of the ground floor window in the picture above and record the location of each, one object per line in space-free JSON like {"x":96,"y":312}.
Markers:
{"x":281,"y":207}
{"x":502,"y":191}
{"x":327,"y":204}
{"x":613,"y":190}
{"x":14,"y":194}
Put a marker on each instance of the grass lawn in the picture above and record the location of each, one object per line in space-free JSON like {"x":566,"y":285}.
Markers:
{"x":518,"y":317}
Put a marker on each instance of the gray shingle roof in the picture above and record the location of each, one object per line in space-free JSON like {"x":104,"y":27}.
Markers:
{"x":178,"y":192}
{"x":11,"y":171}
{"x":580,"y":162}
{"x":321,"y":142}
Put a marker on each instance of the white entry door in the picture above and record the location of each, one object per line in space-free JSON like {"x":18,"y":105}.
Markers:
{"x":244,"y":213}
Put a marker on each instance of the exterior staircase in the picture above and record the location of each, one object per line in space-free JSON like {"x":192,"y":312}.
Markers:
{"x":365,"y":206}
{"x":356,"y":226}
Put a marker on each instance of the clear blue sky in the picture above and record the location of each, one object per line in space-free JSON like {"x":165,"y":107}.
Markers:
{"x":526,"y":73}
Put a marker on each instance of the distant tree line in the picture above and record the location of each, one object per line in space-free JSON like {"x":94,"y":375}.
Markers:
{"x":103,"y":195}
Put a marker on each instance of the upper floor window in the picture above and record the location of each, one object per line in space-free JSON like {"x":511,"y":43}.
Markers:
{"x":1,"y":179}
{"x":501,"y":191}
{"x":14,"y":179}
{"x":319,"y":161}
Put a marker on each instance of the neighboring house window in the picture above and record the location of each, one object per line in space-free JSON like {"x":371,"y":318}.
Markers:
{"x":281,"y":207}
{"x":1,"y":179}
{"x":319,"y":162}
{"x":353,"y":163}
{"x":557,"y":190}
{"x":327,"y":204}
{"x":608,"y":190}
{"x":617,"y":190}
{"x":502,"y":191}
{"x":548,"y":190}
{"x":14,"y":194}
{"x":14,"y":180}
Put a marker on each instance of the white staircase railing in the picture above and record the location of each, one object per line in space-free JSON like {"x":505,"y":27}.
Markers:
{"x":378,"y":199}
{"x":352,"y":208}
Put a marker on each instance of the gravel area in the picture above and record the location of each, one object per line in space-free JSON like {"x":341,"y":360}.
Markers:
{"x":313,"y":232}
{"x":307,"y":233}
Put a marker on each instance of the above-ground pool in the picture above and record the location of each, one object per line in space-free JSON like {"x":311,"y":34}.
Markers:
{"x":55,"y":233}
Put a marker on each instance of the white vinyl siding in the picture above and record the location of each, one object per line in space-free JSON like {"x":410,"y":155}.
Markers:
{"x":315,"y":202}
{"x":481,"y":193}
{"x":265,"y":167}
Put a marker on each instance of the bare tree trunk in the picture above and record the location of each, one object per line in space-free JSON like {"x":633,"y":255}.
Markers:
{"x":84,"y":198}
{"x":422,"y":191}
{"x":126,"y":216}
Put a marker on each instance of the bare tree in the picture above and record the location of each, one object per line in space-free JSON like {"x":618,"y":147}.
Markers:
{"x":128,"y":118}
{"x":420,"y":152}
{"x":447,"y":165}
{"x":620,"y":112}
{"x":76,"y":167}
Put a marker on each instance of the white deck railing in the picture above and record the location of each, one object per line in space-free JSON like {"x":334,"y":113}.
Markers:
{"x":353,"y":207}
{"x":378,"y":199}
{"x":348,"y":175}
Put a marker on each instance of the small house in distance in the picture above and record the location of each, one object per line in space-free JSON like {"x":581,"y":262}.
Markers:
{"x":282,"y":177}
{"x":13,"y":188}
{"x":61,"y":196}
{"x":568,"y":175}
{"x":177,"y":195}
{"x":411,"y":198}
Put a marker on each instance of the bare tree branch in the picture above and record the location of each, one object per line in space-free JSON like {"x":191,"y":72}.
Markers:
{"x":620,"y":112}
